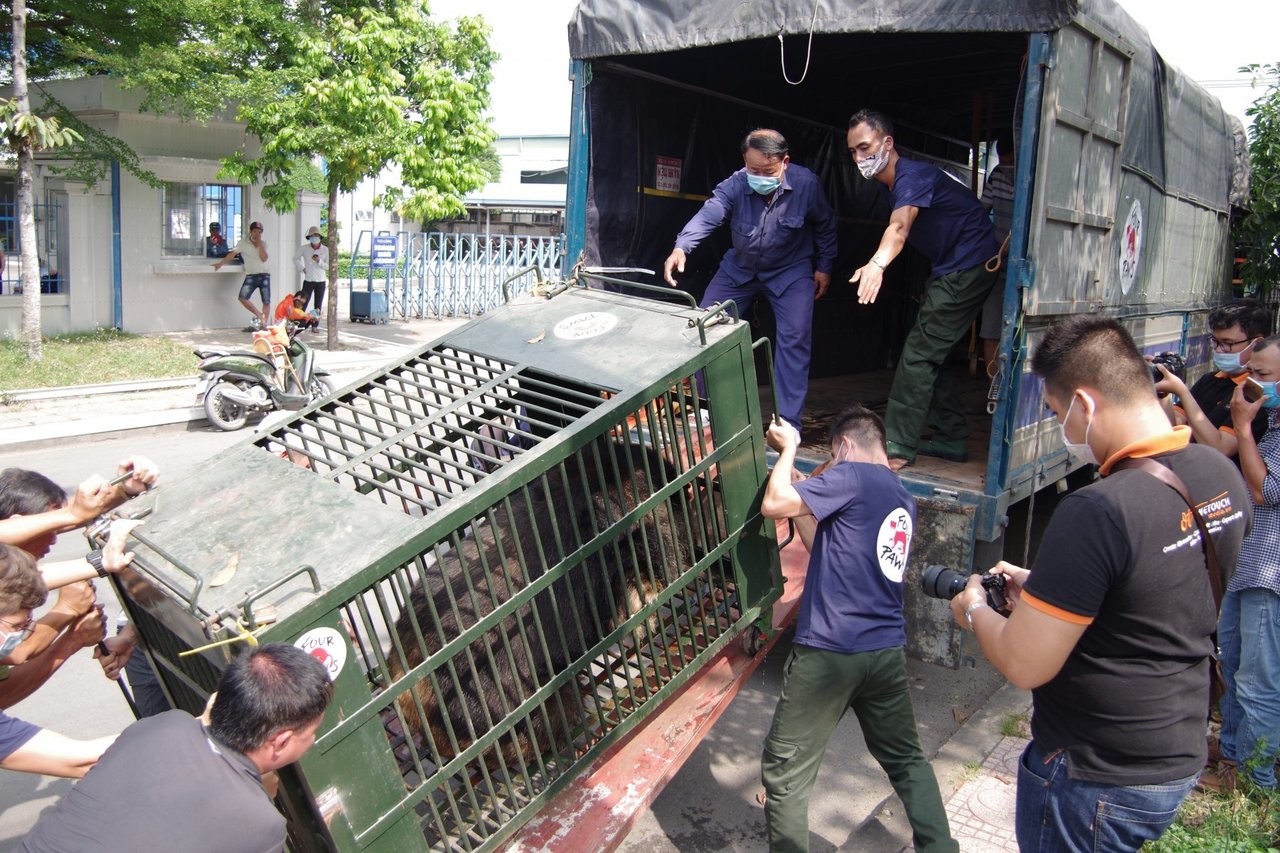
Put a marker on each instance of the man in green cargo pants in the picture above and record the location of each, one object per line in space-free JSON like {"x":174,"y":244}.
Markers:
{"x":943,"y":221}
{"x":856,"y":519}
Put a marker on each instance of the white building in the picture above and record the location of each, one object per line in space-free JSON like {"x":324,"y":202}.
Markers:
{"x":156,"y":276}
{"x":124,"y":251}
{"x":528,"y":198}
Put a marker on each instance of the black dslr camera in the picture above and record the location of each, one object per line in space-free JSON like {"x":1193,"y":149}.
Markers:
{"x":944,"y":583}
{"x":1172,"y":362}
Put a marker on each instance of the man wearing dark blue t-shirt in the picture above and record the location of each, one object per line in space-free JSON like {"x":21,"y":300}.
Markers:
{"x":944,"y":222}
{"x":856,"y":519}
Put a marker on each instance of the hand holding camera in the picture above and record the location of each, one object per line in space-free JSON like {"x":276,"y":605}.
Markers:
{"x":944,"y":583}
{"x":1174,"y":381}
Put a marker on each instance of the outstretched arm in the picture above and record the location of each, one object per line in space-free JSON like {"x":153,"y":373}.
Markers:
{"x":28,"y":677}
{"x":57,"y":755}
{"x":870,"y":276}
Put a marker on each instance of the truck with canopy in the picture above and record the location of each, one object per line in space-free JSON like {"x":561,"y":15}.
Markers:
{"x":1125,"y":175}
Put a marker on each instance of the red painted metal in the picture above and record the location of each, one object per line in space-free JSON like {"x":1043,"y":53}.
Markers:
{"x":597,"y":810}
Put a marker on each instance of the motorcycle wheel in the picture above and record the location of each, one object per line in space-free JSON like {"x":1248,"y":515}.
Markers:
{"x":321,"y":386}
{"x":222,"y":413}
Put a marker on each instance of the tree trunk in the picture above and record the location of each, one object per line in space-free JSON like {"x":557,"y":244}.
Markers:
{"x":26,"y":192}
{"x":331,"y":303}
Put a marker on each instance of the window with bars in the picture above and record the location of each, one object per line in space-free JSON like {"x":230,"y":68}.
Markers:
{"x":188,"y":211}
{"x":50,"y":256}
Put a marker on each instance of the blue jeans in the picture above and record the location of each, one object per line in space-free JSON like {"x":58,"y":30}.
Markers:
{"x":1249,"y":637}
{"x":1055,"y":813}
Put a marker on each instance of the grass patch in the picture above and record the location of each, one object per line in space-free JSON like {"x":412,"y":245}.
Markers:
{"x":85,"y":358}
{"x":1016,"y":725}
{"x":1224,"y":823}
{"x":971,"y":770}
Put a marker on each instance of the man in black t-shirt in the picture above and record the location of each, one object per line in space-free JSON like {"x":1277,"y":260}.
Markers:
{"x":1234,"y":330}
{"x":1112,"y":626}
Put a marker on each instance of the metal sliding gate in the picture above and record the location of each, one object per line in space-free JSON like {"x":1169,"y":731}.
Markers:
{"x":453,"y":275}
{"x":509,"y":548}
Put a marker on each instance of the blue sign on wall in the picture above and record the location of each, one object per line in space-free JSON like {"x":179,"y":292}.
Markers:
{"x":383,"y":256}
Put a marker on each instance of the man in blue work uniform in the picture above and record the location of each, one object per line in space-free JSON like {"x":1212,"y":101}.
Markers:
{"x":945,"y":223}
{"x":784,"y":244}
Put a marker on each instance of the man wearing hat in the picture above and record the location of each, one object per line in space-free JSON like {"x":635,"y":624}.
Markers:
{"x":312,"y":260}
{"x":215,"y":245}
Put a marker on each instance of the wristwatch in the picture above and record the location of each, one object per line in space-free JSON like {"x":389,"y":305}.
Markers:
{"x":94,"y":558}
{"x":968,"y":612}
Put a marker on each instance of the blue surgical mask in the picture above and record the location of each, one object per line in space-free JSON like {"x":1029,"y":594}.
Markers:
{"x":10,"y":642}
{"x":1229,"y":362}
{"x":1270,"y":398}
{"x":764,"y":184}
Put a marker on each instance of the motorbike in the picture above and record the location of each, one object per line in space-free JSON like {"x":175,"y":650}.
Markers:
{"x":279,"y":372}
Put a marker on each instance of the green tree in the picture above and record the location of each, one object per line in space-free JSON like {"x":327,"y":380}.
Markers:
{"x":1259,"y":231}
{"x":491,"y":163}
{"x":364,"y":88}
{"x":24,"y":134}
{"x":60,"y":38}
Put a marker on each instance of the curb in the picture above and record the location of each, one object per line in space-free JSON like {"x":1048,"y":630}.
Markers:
{"x":26,"y":395}
{"x":14,"y":438}
{"x":977,"y":737}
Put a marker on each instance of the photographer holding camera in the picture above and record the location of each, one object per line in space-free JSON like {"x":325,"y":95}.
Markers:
{"x":856,"y":519}
{"x":1234,"y":333}
{"x":1112,"y":628}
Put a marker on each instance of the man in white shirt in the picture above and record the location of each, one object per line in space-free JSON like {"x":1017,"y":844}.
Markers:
{"x":254,"y":251}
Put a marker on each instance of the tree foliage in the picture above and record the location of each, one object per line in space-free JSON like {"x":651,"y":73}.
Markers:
{"x":358,"y":85}
{"x":1259,"y":231}
{"x":364,"y":88}
{"x":368,"y":87}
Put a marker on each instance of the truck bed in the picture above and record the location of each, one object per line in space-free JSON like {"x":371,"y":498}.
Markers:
{"x":827,"y":396}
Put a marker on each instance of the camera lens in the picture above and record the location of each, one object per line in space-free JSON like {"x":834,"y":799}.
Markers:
{"x":941,"y":582}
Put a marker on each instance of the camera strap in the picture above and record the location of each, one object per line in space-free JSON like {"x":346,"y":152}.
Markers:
{"x":1217,"y":679}
{"x":1173,"y":481}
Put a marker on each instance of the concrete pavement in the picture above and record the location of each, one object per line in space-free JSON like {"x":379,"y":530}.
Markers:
{"x":976,"y":766}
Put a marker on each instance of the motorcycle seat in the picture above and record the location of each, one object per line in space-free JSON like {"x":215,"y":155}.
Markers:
{"x":266,"y":359}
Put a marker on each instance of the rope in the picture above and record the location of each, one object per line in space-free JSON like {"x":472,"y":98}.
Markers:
{"x":782,"y":48}
{"x":1031,"y":500}
{"x":243,"y":637}
{"x":996,"y":261}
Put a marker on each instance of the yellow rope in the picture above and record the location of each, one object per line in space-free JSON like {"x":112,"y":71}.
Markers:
{"x":243,"y":637}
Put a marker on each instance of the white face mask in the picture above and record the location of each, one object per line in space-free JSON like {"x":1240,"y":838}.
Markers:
{"x":1081,"y":451}
{"x":874,"y":165}
{"x":315,"y":241}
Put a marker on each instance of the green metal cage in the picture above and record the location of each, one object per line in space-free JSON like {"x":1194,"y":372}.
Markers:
{"x":509,"y":548}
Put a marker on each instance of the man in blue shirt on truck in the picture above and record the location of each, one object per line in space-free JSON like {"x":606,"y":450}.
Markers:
{"x":944,"y":222}
{"x":784,"y":244}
